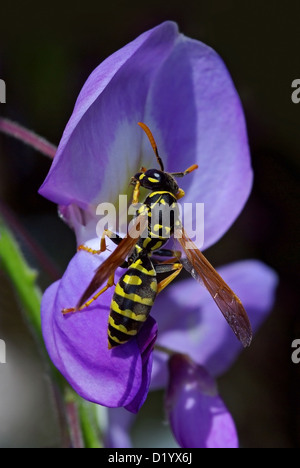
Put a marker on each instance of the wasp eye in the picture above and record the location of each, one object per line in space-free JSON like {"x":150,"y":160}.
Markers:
{"x":157,"y":175}
{"x":154,"y":176}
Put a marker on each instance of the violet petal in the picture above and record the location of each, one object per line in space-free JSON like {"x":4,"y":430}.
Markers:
{"x":190,"y":322}
{"x":198,"y":416}
{"x":77,"y":343}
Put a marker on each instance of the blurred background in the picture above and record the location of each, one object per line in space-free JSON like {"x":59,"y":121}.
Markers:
{"x":46,"y":54}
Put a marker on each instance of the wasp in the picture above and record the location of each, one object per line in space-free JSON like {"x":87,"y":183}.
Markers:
{"x":140,"y":252}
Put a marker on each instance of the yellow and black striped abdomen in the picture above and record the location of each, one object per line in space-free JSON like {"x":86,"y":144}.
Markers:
{"x":132,"y":301}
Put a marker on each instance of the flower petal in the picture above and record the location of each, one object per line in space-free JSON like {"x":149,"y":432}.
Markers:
{"x":77,"y":343}
{"x":198,"y":416}
{"x":197,"y":327}
{"x":181,"y":88}
{"x":146,"y":339}
{"x":196,"y":115}
{"x":102,"y":139}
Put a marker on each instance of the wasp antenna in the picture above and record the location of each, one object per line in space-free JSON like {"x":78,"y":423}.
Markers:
{"x":153,"y":144}
{"x":191,"y":169}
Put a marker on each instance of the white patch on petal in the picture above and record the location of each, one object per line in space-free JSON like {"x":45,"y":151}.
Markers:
{"x":192,"y":385}
{"x":190,"y":403}
{"x":125,"y":160}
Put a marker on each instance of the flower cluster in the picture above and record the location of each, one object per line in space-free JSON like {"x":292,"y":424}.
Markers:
{"x":182,"y":90}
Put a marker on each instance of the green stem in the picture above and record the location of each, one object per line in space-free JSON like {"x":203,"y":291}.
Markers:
{"x":23,"y":277}
{"x":89,"y":424}
{"x":80,"y":415}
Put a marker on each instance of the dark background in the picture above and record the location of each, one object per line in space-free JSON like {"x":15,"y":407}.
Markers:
{"x":46,"y":54}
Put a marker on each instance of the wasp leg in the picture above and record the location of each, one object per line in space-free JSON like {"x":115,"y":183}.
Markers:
{"x":106,"y":233}
{"x":136,"y":193}
{"x":136,"y":190}
{"x":110,"y":283}
{"x":175,"y":269}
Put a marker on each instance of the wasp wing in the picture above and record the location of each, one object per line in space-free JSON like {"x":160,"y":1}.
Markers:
{"x":229,"y":304}
{"x":116,"y":259}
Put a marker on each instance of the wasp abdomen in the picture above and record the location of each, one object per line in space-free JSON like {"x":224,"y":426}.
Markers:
{"x":132,"y":302}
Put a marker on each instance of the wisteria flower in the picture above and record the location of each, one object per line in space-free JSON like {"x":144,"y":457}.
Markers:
{"x":205,"y":337}
{"x":198,"y":416}
{"x":195,"y":328}
{"x":182,"y":90}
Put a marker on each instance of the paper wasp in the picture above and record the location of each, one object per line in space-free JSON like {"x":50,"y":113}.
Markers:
{"x":136,"y":290}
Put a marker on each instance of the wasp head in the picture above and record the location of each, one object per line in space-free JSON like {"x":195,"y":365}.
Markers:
{"x":156,"y":180}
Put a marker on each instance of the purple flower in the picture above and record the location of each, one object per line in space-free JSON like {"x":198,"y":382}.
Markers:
{"x":182,"y":90}
{"x":77,"y":343}
{"x":196,"y":328}
{"x":203,"y":334}
{"x":200,"y":331}
{"x":198,"y":416}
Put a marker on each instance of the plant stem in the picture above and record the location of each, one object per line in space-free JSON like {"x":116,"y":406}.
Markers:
{"x":27,"y":136}
{"x":22,"y":277}
{"x":80,"y":416}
